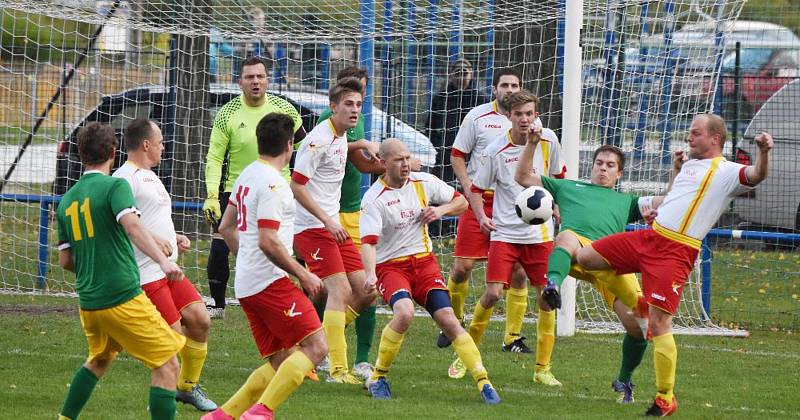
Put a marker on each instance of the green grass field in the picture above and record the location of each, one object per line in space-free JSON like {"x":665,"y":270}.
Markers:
{"x":717,"y":377}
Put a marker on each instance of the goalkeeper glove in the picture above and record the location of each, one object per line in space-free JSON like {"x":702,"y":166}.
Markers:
{"x":551,"y":296}
{"x":211,"y":210}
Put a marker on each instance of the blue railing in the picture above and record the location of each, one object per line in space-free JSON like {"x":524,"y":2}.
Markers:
{"x":45,"y":201}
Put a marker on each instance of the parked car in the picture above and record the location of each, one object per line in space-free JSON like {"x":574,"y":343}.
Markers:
{"x":153,"y":101}
{"x":775,"y":204}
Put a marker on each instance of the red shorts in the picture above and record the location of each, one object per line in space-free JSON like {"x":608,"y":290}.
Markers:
{"x":280,"y":316}
{"x":532,"y":257}
{"x":170,"y":297}
{"x":415,"y":275}
{"x":324,"y":256}
{"x":470,"y":241}
{"x":665,"y":264}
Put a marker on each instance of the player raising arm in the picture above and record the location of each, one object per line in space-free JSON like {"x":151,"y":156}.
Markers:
{"x":398,"y":256}
{"x":590,"y":211}
{"x":94,"y":217}
{"x":666,"y":253}
{"x":258,"y":226}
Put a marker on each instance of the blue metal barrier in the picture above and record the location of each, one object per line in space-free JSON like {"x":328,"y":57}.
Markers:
{"x":45,"y":201}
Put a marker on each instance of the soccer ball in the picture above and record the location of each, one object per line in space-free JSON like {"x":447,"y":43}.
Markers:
{"x":534,"y":205}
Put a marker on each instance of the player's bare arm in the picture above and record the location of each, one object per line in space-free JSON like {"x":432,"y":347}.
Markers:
{"x":524,"y":175}
{"x":65,"y":260}
{"x":455,"y":207}
{"x":368,"y":259}
{"x":476,"y":203}
{"x":145,"y":243}
{"x":758,"y":172}
{"x":183,"y":243}
{"x":364,"y":163}
{"x":303,"y":197}
{"x":365,"y":146}
{"x":228,"y":230}
{"x":460,"y":169}
{"x":271,"y":245}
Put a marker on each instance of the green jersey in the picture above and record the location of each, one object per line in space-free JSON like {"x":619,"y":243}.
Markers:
{"x":234,"y":136}
{"x":88,"y":224}
{"x":351,"y":184}
{"x":591,"y":210}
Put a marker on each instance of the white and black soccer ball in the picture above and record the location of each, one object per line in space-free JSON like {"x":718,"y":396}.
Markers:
{"x":534,"y":205}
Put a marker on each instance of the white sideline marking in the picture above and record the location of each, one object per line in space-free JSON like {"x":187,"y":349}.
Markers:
{"x":760,"y":353}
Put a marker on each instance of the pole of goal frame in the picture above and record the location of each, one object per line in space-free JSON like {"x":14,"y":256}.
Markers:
{"x":571,"y":134}
{"x":366,"y":58}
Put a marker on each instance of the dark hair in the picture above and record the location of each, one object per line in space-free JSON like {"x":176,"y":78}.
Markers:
{"x":96,"y":143}
{"x":136,"y":132}
{"x":352,"y":71}
{"x":505,"y":71}
{"x":273,"y":132}
{"x":607,"y":148}
{"x":344,"y":86}
{"x":252,"y":61}
{"x":521,"y":98}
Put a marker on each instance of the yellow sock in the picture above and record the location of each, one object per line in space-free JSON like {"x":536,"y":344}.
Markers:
{"x":193,"y":357}
{"x":333,"y":323}
{"x":516,"y":305}
{"x":350,"y":315}
{"x":468,"y":352}
{"x":249,"y":393}
{"x":458,"y":295}
{"x":665,"y":359}
{"x":480,"y":320}
{"x":63,"y":417}
{"x":289,"y":376}
{"x":391,"y":341}
{"x":545,"y":338}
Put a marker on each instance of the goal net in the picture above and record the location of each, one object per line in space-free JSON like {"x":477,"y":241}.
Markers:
{"x":647,"y":67}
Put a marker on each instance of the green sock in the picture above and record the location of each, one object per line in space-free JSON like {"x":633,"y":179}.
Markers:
{"x":365,"y":330}
{"x":632,"y":352}
{"x":558,"y":265}
{"x":79,"y":392}
{"x":162,"y":404}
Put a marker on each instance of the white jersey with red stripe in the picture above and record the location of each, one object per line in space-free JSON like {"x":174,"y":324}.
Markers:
{"x":155,"y":204}
{"x":480,"y":127}
{"x":499,"y":165}
{"x":391,"y":218}
{"x":320,"y":165}
{"x":701,"y":191}
{"x":263,"y":200}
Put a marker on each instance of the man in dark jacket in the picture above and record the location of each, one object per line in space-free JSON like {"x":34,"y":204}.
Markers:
{"x":448,"y":109}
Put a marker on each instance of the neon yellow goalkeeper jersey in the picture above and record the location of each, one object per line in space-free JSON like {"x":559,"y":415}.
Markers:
{"x":234,"y":137}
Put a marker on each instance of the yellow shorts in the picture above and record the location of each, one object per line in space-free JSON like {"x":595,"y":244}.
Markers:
{"x":349,"y":222}
{"x":135,"y":326}
{"x":608,"y":283}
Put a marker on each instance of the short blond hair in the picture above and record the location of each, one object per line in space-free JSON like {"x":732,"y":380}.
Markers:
{"x":715,"y":125}
{"x":521,"y":98}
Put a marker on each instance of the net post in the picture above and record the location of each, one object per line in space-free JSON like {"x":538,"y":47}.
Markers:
{"x":573,"y":16}
{"x":366,"y":58}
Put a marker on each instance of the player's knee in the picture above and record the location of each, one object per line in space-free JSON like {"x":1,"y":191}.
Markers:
{"x":99,"y":365}
{"x":315,"y":347}
{"x":402,"y":310}
{"x":169,"y":370}
{"x":461,"y":270}
{"x":491,"y":296}
{"x":437,"y":299}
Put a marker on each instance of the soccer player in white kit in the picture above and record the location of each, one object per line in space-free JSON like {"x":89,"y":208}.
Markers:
{"x":177,"y":301}
{"x":258,"y":226}
{"x":482,"y":125}
{"x":512,"y":240}
{"x":665,"y":254}
{"x":319,"y":237}
{"x":398,"y":256}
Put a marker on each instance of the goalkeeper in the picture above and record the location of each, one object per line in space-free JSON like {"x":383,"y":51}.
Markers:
{"x":233,"y":147}
{"x":583,"y":220}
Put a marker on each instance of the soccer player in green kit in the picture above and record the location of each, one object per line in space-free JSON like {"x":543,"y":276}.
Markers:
{"x":590,"y":211}
{"x":349,"y":213}
{"x":233,"y":141}
{"x":96,"y":218}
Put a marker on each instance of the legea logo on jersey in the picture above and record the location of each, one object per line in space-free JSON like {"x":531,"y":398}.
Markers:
{"x":493,"y":126}
{"x":512,"y":160}
{"x":656,"y":296}
{"x":291,"y":313}
{"x":393,"y":202}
